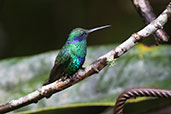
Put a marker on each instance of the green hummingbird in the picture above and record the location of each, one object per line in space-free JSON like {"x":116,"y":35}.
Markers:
{"x":72,"y":55}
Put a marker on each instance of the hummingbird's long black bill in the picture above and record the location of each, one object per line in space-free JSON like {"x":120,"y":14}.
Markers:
{"x":98,"y":28}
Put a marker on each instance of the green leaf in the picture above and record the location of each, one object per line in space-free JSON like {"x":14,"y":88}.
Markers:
{"x":141,"y":66}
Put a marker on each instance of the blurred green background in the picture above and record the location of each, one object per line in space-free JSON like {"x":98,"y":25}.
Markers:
{"x":29,"y":27}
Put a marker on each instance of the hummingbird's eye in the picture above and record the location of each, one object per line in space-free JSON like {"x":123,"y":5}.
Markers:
{"x":83,"y":34}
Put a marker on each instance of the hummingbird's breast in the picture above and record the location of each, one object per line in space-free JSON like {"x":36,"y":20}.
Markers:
{"x":77,"y":53}
{"x":78,"y":49}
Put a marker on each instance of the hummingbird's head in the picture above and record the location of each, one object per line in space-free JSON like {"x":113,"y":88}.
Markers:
{"x":79,"y":34}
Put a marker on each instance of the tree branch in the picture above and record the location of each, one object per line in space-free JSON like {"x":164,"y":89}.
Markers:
{"x":95,"y":67}
{"x":145,"y":10}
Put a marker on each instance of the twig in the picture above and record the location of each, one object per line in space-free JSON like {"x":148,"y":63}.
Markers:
{"x":95,"y":67}
{"x":145,"y":10}
{"x":139,"y":92}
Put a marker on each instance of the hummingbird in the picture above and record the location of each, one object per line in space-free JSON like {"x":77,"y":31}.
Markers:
{"x":72,"y":55}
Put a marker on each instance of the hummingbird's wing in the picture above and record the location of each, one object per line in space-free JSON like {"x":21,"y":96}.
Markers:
{"x":61,"y":62}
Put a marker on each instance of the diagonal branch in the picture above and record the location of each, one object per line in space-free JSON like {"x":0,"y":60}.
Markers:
{"x":145,"y":10}
{"x":95,"y":67}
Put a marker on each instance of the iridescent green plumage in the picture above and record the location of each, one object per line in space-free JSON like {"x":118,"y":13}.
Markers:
{"x":72,"y":55}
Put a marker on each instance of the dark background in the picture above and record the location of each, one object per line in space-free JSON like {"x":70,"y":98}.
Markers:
{"x":29,"y":27}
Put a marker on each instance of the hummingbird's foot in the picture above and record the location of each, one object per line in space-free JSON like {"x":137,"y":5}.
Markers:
{"x":70,"y":77}
{"x":64,"y":78}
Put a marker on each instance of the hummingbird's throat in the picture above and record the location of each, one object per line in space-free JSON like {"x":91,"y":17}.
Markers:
{"x":78,"y":39}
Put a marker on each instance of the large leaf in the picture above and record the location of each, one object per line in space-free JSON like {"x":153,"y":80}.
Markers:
{"x":140,"y":67}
